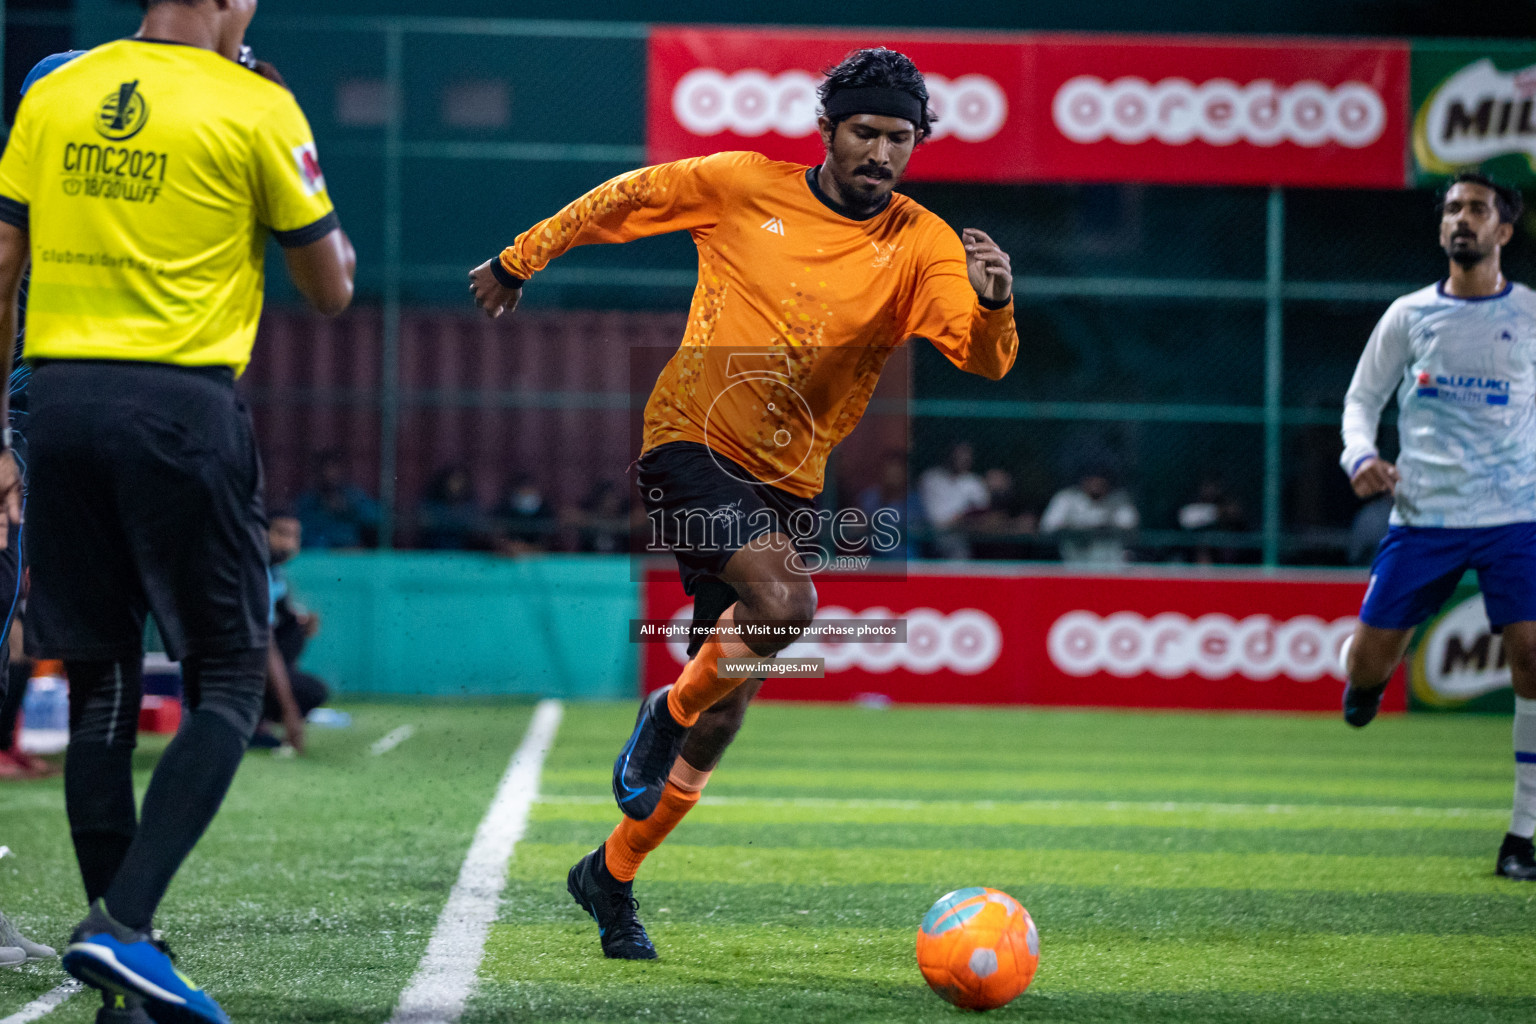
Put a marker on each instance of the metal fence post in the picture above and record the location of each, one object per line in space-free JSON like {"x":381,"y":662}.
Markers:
{"x":1274,"y":365}
{"x":389,"y":368}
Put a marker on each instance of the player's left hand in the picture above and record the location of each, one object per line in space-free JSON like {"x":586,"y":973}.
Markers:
{"x":10,"y":496}
{"x":988,"y":267}
{"x":490,"y":294}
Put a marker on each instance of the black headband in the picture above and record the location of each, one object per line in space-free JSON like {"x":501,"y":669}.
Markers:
{"x":874,"y":99}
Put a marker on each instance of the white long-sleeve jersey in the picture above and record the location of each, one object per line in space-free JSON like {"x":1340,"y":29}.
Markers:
{"x":1465,"y":375}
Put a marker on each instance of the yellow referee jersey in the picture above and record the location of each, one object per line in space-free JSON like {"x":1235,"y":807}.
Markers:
{"x":149,"y":175}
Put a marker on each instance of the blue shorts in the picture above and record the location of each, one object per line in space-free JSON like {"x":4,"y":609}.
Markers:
{"x":1417,"y":568}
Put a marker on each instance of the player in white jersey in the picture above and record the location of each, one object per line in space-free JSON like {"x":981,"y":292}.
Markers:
{"x":1461,"y":357}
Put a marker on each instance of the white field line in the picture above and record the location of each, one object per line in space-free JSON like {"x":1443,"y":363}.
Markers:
{"x":43,"y":1004}
{"x":392,"y":739}
{"x":1166,"y":806}
{"x":446,"y":975}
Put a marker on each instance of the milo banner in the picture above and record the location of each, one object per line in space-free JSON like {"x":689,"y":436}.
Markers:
{"x":1474,"y":106}
{"x":1456,"y":662}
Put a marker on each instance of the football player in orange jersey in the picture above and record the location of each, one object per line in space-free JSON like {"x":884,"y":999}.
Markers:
{"x":817,"y":273}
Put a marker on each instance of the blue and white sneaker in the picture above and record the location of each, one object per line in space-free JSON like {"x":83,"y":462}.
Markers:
{"x":115,"y":958}
{"x":641,"y":769}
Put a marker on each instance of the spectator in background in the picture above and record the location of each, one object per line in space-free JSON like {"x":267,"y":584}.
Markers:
{"x":16,"y":763}
{"x":291,"y":692}
{"x":1213,"y":510}
{"x":335,"y":513}
{"x":601,"y":521}
{"x":1091,"y":520}
{"x":523,"y":520}
{"x":1005,"y":528}
{"x":901,"y":509}
{"x":949,"y":493}
{"x":449,"y":518}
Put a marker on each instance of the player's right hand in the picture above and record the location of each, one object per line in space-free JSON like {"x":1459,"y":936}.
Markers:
{"x":1375,"y":477}
{"x":490,"y":294}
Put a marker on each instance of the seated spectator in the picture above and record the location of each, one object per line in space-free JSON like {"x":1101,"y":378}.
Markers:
{"x":1091,"y":519}
{"x":1213,"y":510}
{"x":16,"y":763}
{"x":335,"y":513}
{"x":898,"y":505}
{"x":949,"y":493}
{"x":1004,"y":529}
{"x":449,"y":518}
{"x":601,"y":521}
{"x":292,"y":693}
{"x":523,"y":521}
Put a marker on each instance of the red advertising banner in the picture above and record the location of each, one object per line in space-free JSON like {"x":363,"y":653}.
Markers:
{"x":1232,"y":642}
{"x":713,"y":89}
{"x":1059,"y":108}
{"x":1236,"y":112}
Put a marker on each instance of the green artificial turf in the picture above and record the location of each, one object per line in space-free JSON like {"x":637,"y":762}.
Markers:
{"x":314,"y":893}
{"x":1181,"y":868}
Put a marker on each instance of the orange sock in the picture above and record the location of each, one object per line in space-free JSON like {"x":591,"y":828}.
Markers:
{"x":700,"y":685}
{"x":632,"y":840}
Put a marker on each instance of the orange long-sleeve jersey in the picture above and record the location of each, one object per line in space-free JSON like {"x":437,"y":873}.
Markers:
{"x":797,"y":307}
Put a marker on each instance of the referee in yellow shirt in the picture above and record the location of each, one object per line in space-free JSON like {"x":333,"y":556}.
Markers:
{"x":142,"y":179}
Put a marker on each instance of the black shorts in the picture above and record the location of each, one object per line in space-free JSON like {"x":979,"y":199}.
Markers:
{"x":703,"y":508}
{"x":144,"y":495}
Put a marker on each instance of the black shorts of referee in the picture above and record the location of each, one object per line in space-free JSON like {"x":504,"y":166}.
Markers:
{"x":144,"y":495}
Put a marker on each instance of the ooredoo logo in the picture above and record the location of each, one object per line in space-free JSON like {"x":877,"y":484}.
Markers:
{"x":1220,"y":112}
{"x":1214,"y":646}
{"x":707,"y":101}
{"x":967,"y":641}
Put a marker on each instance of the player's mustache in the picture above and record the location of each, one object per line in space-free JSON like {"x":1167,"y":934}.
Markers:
{"x":874,"y":171}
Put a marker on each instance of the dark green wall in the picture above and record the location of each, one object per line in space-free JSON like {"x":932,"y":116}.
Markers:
{"x":1480,"y":18}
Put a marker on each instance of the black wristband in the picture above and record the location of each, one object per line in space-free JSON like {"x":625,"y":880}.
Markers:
{"x":505,"y":276}
{"x":989,"y":304}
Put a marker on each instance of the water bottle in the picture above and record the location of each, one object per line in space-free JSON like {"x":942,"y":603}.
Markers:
{"x":329,"y":718}
{"x":45,"y":715}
